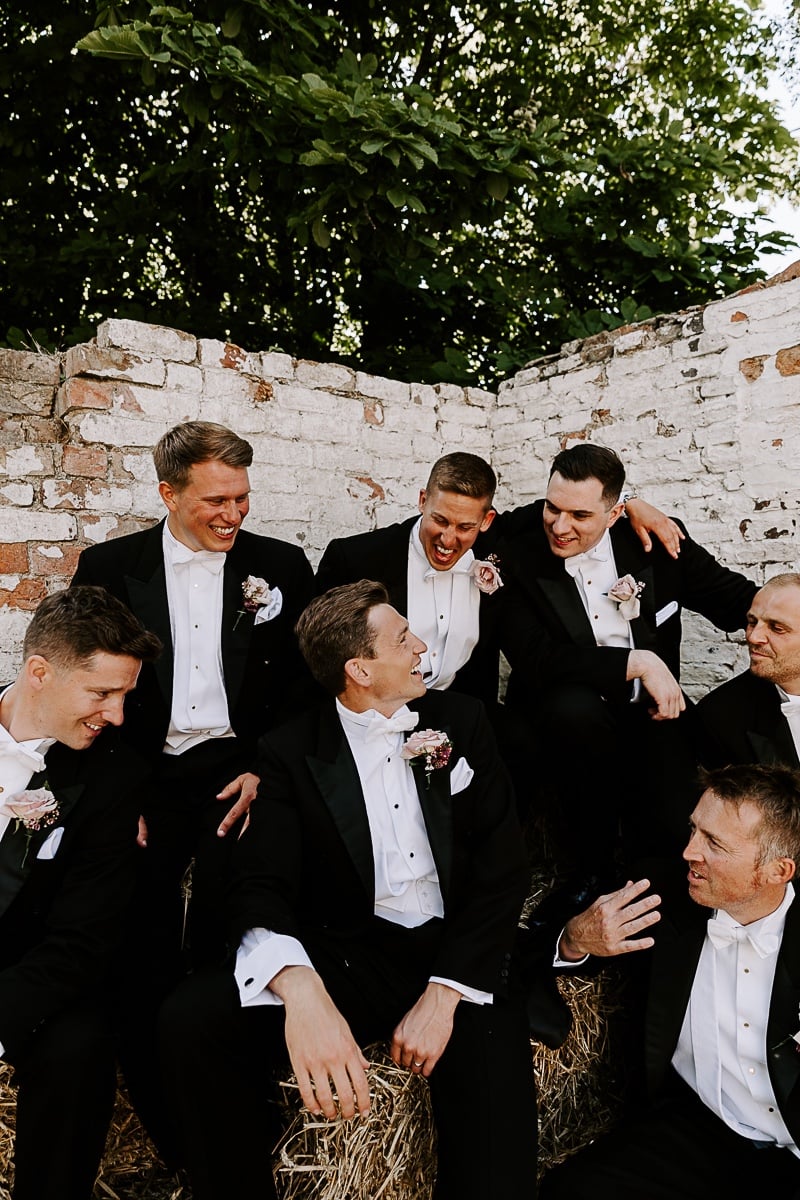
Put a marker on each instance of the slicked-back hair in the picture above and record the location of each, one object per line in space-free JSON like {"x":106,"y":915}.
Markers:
{"x":587,"y":461}
{"x":775,"y":792}
{"x":335,"y":627}
{"x":69,"y":627}
{"x":464,"y":474}
{"x":193,"y":442}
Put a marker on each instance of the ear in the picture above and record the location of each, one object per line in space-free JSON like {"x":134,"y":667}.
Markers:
{"x":37,"y":670}
{"x":782,"y":870}
{"x":356,"y":673}
{"x":614,"y":515}
{"x":423,"y":496}
{"x":167,"y":493}
{"x":487,"y":520}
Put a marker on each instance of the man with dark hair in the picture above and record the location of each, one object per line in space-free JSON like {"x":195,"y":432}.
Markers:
{"x":756,"y":716}
{"x":70,"y":792}
{"x":224,"y":603}
{"x":574,"y":569}
{"x":377,"y":896}
{"x":722,"y":1023}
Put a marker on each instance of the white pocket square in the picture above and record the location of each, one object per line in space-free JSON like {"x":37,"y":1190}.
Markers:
{"x":460,"y":777}
{"x":666,"y":612}
{"x":267,"y":611}
{"x":51,"y":843}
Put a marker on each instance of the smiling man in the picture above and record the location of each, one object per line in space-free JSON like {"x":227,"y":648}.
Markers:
{"x":756,"y":716}
{"x":70,"y":791}
{"x":224,"y":603}
{"x":722,"y":1023}
{"x":377,"y":897}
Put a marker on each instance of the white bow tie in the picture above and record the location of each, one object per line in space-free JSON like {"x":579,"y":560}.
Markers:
{"x":721,"y":934}
{"x":574,"y":564}
{"x":212,"y":560}
{"x":402,"y":722}
{"x":24,"y":756}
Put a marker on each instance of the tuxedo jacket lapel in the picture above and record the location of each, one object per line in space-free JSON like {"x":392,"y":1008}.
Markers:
{"x":561,"y":593}
{"x":334,"y":771}
{"x":147,"y":588}
{"x":237,"y":629}
{"x":436,"y":804}
{"x":783,"y":1057}
{"x":675,"y":959}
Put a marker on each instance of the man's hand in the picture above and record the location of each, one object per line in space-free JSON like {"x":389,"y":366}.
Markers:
{"x":419,"y":1040}
{"x":321,"y":1047}
{"x":646,"y":519}
{"x":659,"y":683}
{"x":607,"y":927}
{"x":141,"y":836}
{"x":246,"y":785}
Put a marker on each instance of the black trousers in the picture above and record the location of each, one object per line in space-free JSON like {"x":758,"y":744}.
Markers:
{"x":67,"y":1083}
{"x":482,"y":1089}
{"x":679,"y":1150}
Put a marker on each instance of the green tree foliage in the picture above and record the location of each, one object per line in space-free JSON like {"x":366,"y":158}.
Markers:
{"x":427,"y":189}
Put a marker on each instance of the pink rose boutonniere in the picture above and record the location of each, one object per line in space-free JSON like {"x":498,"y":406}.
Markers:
{"x":259,"y":598}
{"x":486,"y":574}
{"x":31,"y":811}
{"x":626,"y":591}
{"x":428,"y":748}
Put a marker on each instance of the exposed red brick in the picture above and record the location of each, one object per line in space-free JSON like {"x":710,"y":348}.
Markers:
{"x":63,"y":565}
{"x":72,"y":491}
{"x":602,"y":416}
{"x":373,"y":412}
{"x":377,"y":491}
{"x":753,"y":368}
{"x":577,"y":435}
{"x":85,"y":460}
{"x":777,"y":442}
{"x":739,"y":316}
{"x":45,"y":430}
{"x":27,"y":595}
{"x":788,"y":361}
{"x":263,"y":392}
{"x":129,"y":402}
{"x":233,"y":356}
{"x":13,"y":558}
{"x":87,"y":393}
{"x":90,"y":359}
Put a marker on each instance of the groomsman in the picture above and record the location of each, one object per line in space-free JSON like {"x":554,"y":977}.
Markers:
{"x":756,"y":716}
{"x":70,"y":791}
{"x":224,"y":603}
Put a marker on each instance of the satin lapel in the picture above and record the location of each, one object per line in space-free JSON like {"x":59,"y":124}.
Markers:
{"x":18,"y":848}
{"x":630,"y":559}
{"x":774,"y":749}
{"x":784,"y":1020}
{"x":147,"y":592}
{"x":237,"y":630}
{"x":561,"y":593}
{"x":437,"y":808}
{"x":391,"y":568}
{"x":334,"y":771}
{"x":675,"y":959}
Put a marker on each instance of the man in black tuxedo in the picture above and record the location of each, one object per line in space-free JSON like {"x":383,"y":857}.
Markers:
{"x":576,"y":570}
{"x":377,"y":896}
{"x":723,"y":1011}
{"x":756,"y":716}
{"x":70,"y":791}
{"x":224,"y":603}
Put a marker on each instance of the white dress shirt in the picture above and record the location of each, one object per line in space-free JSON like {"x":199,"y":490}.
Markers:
{"x":443,"y":610}
{"x":722,"y":1051}
{"x":194,"y":594}
{"x":790,"y":707}
{"x":595,"y":573}
{"x":18,"y":762}
{"x":407,"y":888}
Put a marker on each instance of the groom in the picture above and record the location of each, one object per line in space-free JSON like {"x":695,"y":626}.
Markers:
{"x":377,"y":896}
{"x":70,"y":791}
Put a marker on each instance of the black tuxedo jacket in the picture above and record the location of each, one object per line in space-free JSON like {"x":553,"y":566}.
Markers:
{"x":679,"y":940}
{"x":265,"y":677}
{"x":60,"y":917}
{"x":306,"y":863}
{"x":742,"y":722}
{"x":382,"y":554}
{"x":538,"y":587}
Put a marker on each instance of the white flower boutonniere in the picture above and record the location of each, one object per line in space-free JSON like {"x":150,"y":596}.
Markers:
{"x":259,"y":598}
{"x":486,"y":574}
{"x":31,"y":811}
{"x":626,"y":591}
{"x":428,"y":748}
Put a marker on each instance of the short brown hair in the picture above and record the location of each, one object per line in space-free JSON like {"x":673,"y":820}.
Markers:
{"x":464,"y":474}
{"x":587,"y":461}
{"x":775,"y":792}
{"x":787,"y":579}
{"x":193,"y":442}
{"x":336,"y":627}
{"x":69,"y":627}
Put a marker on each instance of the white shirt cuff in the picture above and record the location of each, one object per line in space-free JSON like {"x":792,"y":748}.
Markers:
{"x":261,"y":955}
{"x":566,"y":962}
{"x":471,"y":994}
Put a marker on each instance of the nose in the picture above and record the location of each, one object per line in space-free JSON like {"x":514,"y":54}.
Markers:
{"x":419,"y":646}
{"x":113,"y":710}
{"x":561,"y":524}
{"x":691,"y":852}
{"x":447,"y":538}
{"x":756,"y":634}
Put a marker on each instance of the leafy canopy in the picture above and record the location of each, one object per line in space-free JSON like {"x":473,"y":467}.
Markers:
{"x":426,"y":189}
